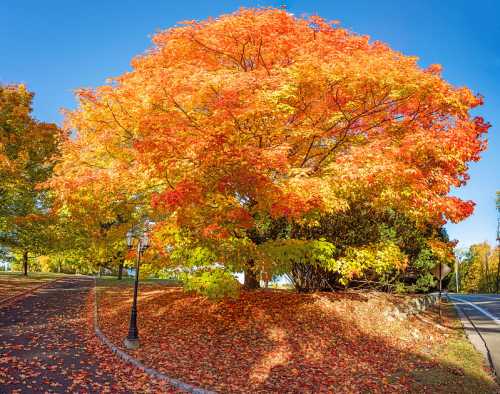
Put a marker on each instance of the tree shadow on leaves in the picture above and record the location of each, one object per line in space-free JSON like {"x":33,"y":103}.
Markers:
{"x":272,"y":341}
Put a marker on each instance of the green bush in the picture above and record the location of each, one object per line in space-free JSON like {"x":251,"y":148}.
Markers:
{"x":423,"y":284}
{"x":380,"y":262}
{"x":213,"y":284}
{"x":401,"y":288}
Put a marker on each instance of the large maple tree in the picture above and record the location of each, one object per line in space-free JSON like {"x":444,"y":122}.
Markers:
{"x":260,"y":115}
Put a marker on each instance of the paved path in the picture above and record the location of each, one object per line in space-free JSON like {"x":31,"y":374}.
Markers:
{"x":47,"y":346}
{"x":484,"y":312}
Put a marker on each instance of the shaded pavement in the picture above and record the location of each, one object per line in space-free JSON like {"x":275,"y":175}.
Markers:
{"x":47,"y":345}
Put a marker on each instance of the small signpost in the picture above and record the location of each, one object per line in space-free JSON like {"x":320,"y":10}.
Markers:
{"x":440,"y":271}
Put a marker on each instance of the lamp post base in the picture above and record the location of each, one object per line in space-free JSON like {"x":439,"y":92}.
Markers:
{"x":131,"y":343}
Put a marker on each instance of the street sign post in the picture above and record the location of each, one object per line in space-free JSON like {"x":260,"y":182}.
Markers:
{"x":440,"y":271}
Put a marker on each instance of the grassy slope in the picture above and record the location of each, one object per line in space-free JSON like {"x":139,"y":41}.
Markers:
{"x":458,"y":366}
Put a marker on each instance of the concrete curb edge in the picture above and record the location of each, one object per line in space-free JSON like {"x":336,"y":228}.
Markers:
{"x":136,"y":363}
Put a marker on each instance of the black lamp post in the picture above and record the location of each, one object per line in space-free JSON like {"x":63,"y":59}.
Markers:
{"x":132,"y":340}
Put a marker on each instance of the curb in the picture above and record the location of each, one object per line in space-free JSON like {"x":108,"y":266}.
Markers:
{"x":136,"y":363}
{"x":9,"y":300}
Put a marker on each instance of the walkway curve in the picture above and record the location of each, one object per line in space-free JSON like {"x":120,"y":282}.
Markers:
{"x":48,"y":346}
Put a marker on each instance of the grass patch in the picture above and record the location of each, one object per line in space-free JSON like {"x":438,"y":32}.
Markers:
{"x":455,"y":366}
{"x":31,"y":275}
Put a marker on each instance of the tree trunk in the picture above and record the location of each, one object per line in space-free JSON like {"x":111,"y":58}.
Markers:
{"x":251,"y":280}
{"x":25,"y":262}
{"x":307,"y":278}
{"x":487,"y":272}
{"x":498,"y":271}
{"x":120,"y":270}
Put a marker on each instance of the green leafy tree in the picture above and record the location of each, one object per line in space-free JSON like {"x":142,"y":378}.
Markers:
{"x":363,"y":236}
{"x":497,"y":281}
{"x":479,"y":268}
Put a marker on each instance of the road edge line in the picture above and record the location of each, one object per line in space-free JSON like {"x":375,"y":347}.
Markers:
{"x":132,"y":360}
{"x":483,"y":311}
{"x":463,"y":315}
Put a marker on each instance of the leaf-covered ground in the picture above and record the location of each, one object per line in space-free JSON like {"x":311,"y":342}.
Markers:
{"x":279,"y":341}
{"x":47,"y":345}
{"x":13,"y":283}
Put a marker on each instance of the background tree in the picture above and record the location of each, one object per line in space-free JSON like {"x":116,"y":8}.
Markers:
{"x":97,"y":217}
{"x":28,"y":152}
{"x":479,"y":268}
{"x":497,"y":284}
{"x":364,"y":229}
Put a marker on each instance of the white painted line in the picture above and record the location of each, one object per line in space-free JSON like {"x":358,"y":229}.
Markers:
{"x":485,"y":296}
{"x":484,"y":312}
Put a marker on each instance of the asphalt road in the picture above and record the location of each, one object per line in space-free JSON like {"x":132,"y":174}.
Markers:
{"x":47,"y":346}
{"x":483,"y":310}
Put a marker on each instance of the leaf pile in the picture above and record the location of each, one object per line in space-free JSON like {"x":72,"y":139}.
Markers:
{"x":275,"y":341}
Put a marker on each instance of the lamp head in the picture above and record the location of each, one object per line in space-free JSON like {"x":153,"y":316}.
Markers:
{"x":145,"y":241}
{"x":130,"y":239}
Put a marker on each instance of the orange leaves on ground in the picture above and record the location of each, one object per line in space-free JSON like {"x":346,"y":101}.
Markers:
{"x":11,"y":284}
{"x":275,"y":341}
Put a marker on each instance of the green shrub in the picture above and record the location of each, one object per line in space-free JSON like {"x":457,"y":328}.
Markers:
{"x":401,"y":288}
{"x":380,"y":262}
{"x":425,"y":282}
{"x":214,"y":284}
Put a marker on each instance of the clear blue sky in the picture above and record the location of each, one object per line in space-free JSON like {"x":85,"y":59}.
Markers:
{"x":57,"y":46}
